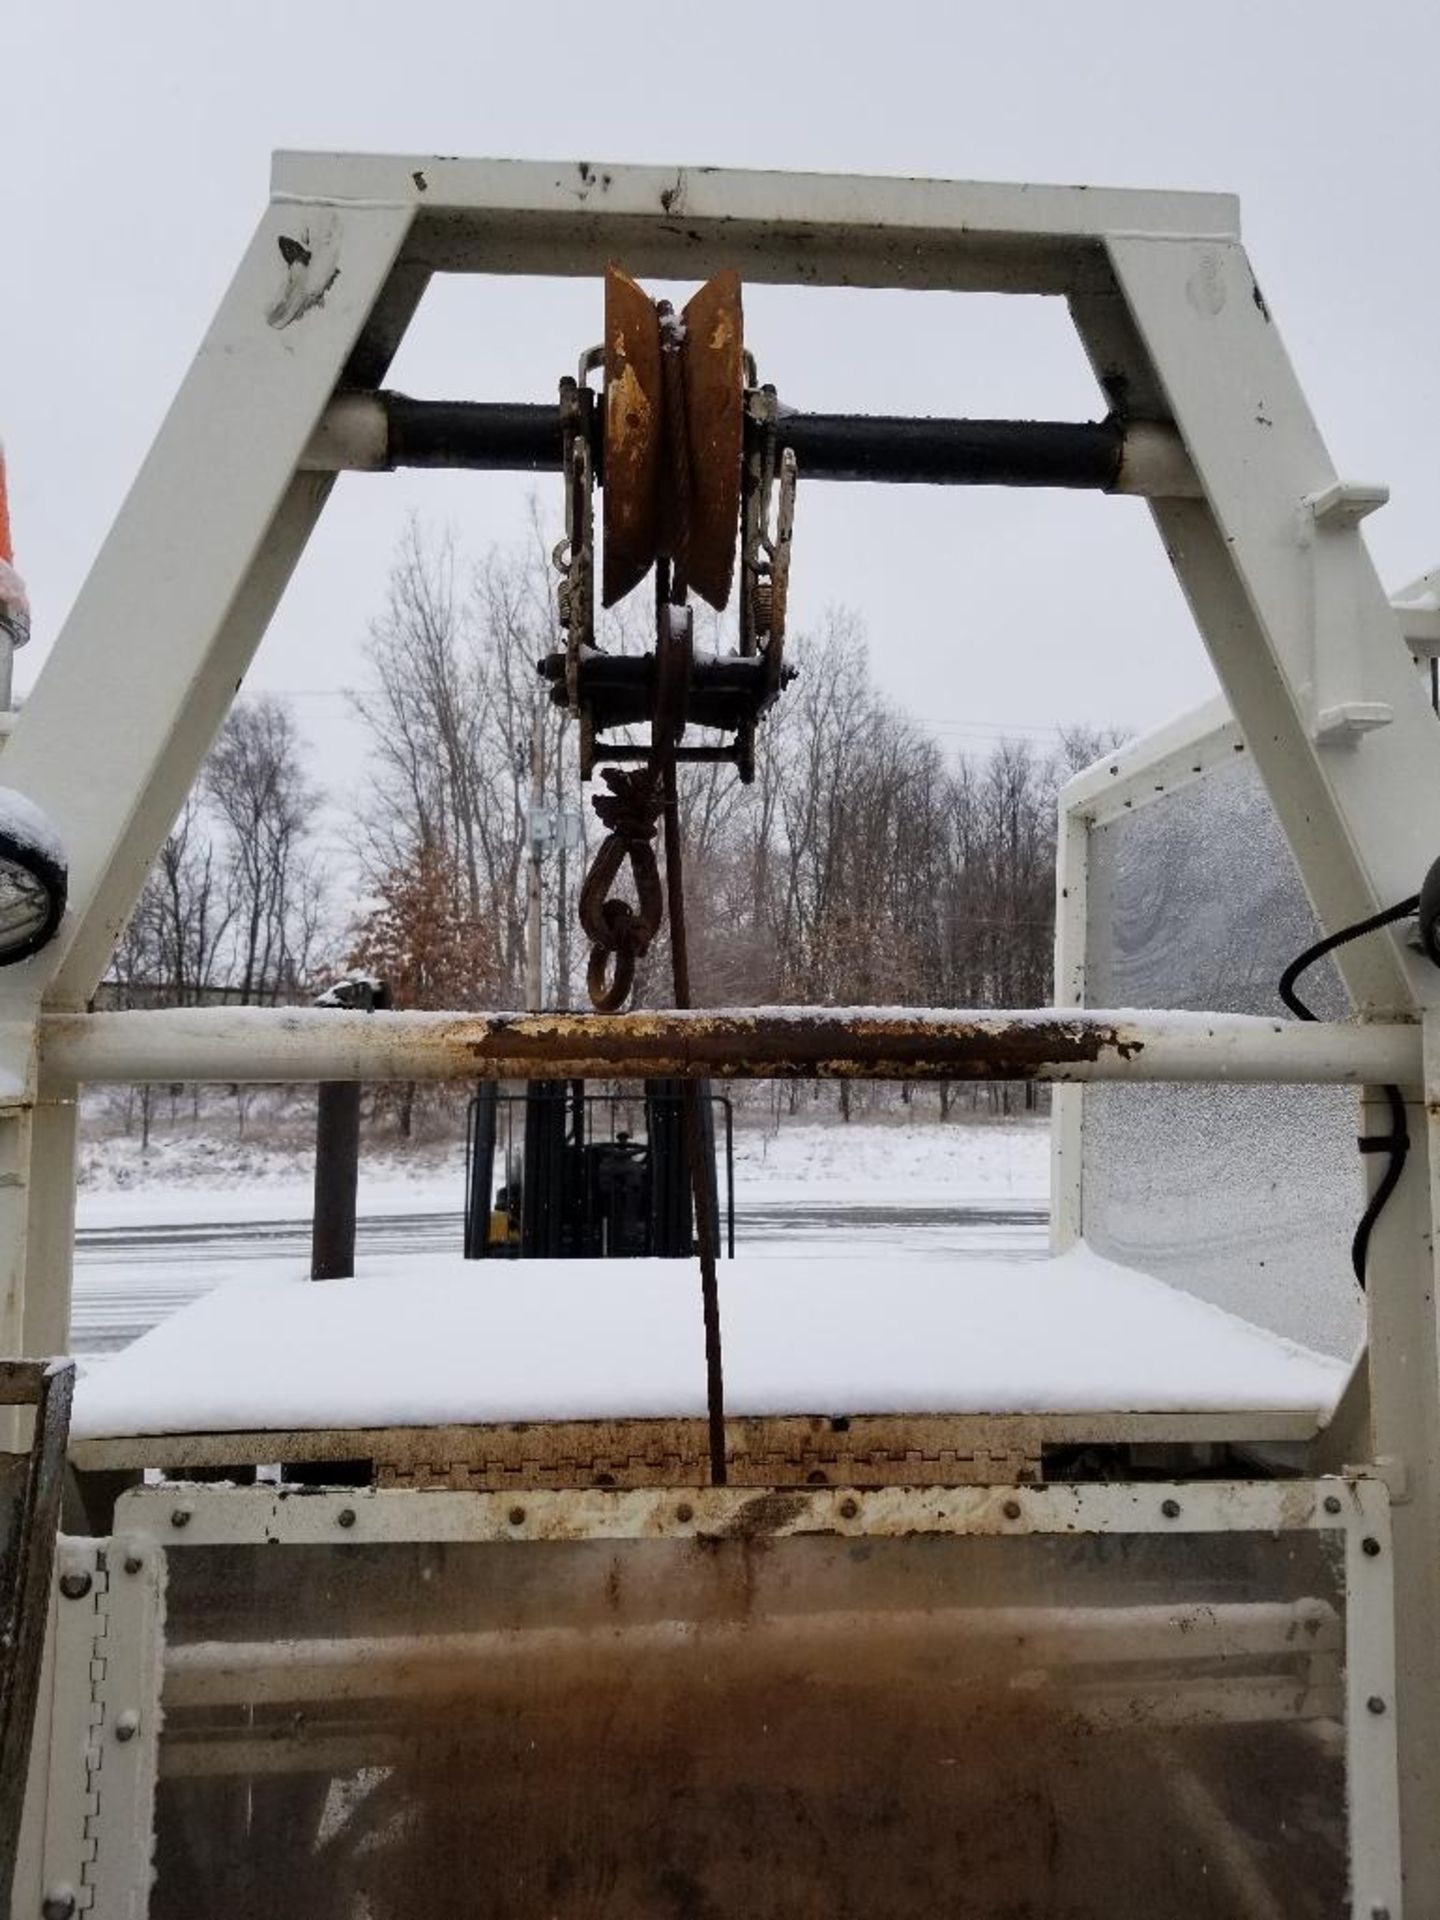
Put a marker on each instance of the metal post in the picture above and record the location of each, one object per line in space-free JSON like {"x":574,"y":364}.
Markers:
{"x":480,"y":1169}
{"x":534,"y":964}
{"x":671,"y":1210}
{"x":337,"y":1179}
{"x":337,"y":1146}
{"x":542,"y":1183}
{"x":728,"y":1108}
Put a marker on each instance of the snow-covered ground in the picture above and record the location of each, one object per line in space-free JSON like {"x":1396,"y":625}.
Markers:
{"x":157,"y":1233}
{"x":878,"y":1264}
{"x":866,"y":1164}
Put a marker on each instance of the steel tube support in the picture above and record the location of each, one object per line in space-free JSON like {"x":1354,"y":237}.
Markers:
{"x":276,"y":1045}
{"x":377,"y":432}
{"x":337,"y":1171}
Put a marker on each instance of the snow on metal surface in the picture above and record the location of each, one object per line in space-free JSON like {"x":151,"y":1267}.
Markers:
{"x":432,"y":1340}
{"x":28,"y":826}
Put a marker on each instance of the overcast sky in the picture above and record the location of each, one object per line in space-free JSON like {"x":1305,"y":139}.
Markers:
{"x":137,"y":144}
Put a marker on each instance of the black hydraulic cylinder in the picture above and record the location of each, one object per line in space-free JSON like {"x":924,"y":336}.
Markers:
{"x":518,"y":437}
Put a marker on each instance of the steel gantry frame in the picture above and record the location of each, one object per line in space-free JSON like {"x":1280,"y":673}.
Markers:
{"x":1207,"y":421}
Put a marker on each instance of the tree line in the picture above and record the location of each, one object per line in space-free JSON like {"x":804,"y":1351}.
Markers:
{"x":863,"y":865}
{"x":235,"y":906}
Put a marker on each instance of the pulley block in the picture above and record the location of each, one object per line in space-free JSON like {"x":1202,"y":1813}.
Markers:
{"x":682,"y":442}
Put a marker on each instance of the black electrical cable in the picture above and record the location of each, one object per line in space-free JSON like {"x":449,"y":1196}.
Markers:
{"x":1397,"y":1142}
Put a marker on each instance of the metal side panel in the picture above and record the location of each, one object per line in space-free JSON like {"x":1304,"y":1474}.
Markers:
{"x":97,"y":1791}
{"x":1133,"y":1698}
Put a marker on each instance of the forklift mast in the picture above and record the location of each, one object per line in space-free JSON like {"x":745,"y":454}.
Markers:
{"x":583,"y":1184}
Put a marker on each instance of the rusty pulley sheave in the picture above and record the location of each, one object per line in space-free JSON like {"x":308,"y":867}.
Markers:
{"x":686,"y":456}
{"x":683,"y":441}
{"x":647,"y":516}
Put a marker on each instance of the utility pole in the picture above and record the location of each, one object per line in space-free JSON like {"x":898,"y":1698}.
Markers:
{"x":549,"y":829}
{"x":534,"y":965}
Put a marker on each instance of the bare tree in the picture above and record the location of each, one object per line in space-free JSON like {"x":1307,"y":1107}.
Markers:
{"x":256,"y":783}
{"x":861,"y":864}
{"x":420,"y":939}
{"x":455,"y":709}
{"x":186,"y":910}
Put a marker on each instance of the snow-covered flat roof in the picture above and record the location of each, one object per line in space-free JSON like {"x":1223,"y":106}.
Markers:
{"x":434,"y":1340}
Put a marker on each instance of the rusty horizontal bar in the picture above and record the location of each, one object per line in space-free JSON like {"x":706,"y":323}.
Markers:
{"x":865,"y":1043}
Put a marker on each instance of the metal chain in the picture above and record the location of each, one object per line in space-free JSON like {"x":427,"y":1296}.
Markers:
{"x":617,"y":930}
{"x":631,"y":811}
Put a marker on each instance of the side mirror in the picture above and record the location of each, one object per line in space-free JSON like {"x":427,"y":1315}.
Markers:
{"x":34,"y":878}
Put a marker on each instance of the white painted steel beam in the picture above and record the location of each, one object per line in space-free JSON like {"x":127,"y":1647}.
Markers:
{"x":1161,"y":761}
{"x":1065,"y":1044}
{"x":148,"y":663}
{"x":573,"y":216}
{"x":1275,"y":586}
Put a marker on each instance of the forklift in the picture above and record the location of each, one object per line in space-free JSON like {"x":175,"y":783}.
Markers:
{"x":589,"y":1176}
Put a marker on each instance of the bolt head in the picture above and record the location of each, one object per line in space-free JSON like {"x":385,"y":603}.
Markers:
{"x":1170,"y":1509}
{"x":1375,"y":1704}
{"x":180,"y":1516}
{"x":1333,"y":1503}
{"x":517,"y":1516}
{"x":685,"y":1513}
{"x":1370,"y":1546}
{"x":849,"y":1509}
{"x":345,"y":1517}
{"x":75,"y":1585}
{"x":58,"y":1904}
{"x":133,"y":1563}
{"x":127,"y":1725}
{"x":1011,"y":1509}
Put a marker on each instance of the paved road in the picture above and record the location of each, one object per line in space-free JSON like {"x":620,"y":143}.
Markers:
{"x":128,"y":1278}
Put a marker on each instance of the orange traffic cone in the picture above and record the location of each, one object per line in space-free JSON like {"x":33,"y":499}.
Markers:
{"x":14,"y":606}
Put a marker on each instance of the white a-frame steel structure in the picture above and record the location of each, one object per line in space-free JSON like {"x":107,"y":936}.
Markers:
{"x":1262,"y":534}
